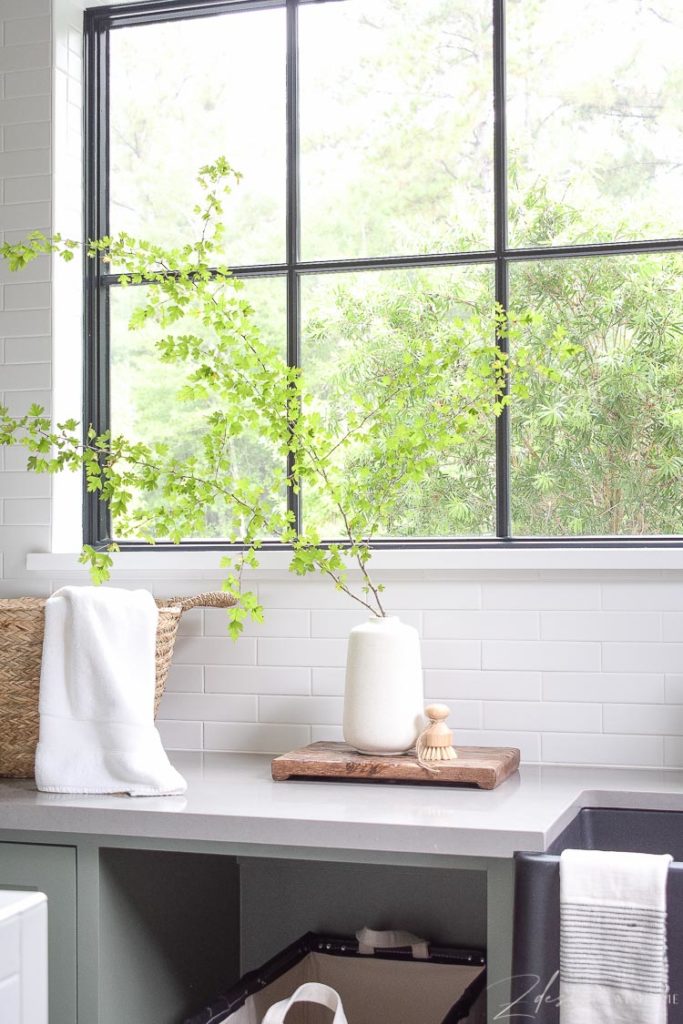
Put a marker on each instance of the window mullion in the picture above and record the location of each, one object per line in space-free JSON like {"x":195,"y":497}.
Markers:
{"x":503,"y":518}
{"x":293,"y":219}
{"x":96,"y":383}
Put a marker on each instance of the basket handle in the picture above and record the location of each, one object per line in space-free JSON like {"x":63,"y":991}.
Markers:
{"x":369,"y":941}
{"x":309,"y":992}
{"x":212,"y":599}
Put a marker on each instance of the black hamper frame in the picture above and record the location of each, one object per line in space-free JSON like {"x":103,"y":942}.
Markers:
{"x":229,"y":1002}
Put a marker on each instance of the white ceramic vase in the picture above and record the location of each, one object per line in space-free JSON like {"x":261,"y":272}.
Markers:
{"x":383,"y":695}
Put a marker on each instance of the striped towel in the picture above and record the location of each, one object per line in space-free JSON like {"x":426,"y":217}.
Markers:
{"x":613,"y":960}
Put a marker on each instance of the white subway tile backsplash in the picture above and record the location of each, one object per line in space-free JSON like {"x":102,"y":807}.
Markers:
{"x":276,"y":622}
{"x":608,"y":688}
{"x":27,"y":30}
{"x":169,"y":589}
{"x":12,"y":166}
{"x":451,"y":654}
{"x":24,"y":8}
{"x":300,"y":710}
{"x":25,"y":216}
{"x":541,"y":595}
{"x":673,"y":751}
{"x":642,"y":657}
{"x":19,"y":402}
{"x":539,"y":716}
{"x":444,"y":684}
{"x":33,"y":82}
{"x":192,"y":623}
{"x":181,"y":735}
{"x":307,"y":652}
{"x":335,"y":623}
{"x":17,"y":58}
{"x":19,"y":234}
{"x":430,"y":595}
{"x":672,"y":627}
{"x":75,"y":92}
{"x":35,"y":189}
{"x":15,"y":459}
{"x":258,"y":679}
{"x":327,"y":734}
{"x":627,"y":751}
{"x":328,"y":682}
{"x":29,"y":136}
{"x":674,"y":689}
{"x":529,"y":743}
{"x":256,"y":738}
{"x":24,"y":485}
{"x":185,"y":679}
{"x":208,"y":707}
{"x":75,"y":66}
{"x":24,"y":109}
{"x":21,"y":376}
{"x":603,"y":626}
{"x":25,"y":587}
{"x":75,"y":40}
{"x":339,"y":622}
{"x":28,"y":512}
{"x":482,"y":625}
{"x":644,"y":719}
{"x":643,"y":596}
{"x":465,"y":714}
{"x":24,"y":322}
{"x":542,"y":655}
{"x":276,"y":594}
{"x":196,"y":650}
{"x":398,"y":597}
{"x":38,"y":270}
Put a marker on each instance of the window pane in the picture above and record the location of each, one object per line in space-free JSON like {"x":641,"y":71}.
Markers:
{"x":182,"y":94}
{"x":601,"y":452}
{"x":595,"y":120}
{"x":396,"y":127}
{"x":144,"y":389}
{"x":356,"y":329}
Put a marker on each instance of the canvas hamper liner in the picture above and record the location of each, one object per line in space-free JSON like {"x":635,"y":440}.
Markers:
{"x":21,"y":647}
{"x":386,"y":986}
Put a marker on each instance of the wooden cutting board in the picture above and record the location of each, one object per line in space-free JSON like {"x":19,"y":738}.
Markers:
{"x":485,"y":767}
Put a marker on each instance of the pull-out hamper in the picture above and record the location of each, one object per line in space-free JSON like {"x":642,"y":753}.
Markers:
{"x":448,"y":986}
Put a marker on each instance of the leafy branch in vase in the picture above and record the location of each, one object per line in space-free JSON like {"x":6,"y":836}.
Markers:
{"x":382,"y":423}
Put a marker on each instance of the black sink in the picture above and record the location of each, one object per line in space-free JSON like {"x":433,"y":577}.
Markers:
{"x":536,"y":947}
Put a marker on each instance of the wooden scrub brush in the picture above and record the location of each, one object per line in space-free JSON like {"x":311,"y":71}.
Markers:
{"x":435,"y":743}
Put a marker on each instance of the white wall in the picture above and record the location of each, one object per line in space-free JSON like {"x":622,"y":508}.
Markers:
{"x":575,"y":657}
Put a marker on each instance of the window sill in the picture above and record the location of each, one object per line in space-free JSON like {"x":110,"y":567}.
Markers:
{"x":414,"y":563}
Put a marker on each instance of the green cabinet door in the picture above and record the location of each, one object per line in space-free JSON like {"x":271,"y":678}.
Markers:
{"x":52,"y":870}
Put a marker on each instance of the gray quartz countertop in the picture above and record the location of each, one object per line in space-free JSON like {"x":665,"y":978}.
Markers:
{"x":232,"y":799}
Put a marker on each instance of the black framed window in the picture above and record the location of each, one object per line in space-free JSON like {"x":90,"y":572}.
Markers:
{"x":406,"y":163}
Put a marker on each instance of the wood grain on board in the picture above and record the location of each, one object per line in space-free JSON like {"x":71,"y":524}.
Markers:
{"x":485,"y":767}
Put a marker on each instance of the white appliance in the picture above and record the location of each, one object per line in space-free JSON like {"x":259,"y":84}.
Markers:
{"x":23,"y":957}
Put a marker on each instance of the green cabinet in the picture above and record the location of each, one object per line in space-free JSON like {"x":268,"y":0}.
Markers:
{"x":146,"y":931}
{"x":52,"y":870}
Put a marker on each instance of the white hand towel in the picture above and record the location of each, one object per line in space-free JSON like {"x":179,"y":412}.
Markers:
{"x":613,"y":957}
{"x":97,"y":732}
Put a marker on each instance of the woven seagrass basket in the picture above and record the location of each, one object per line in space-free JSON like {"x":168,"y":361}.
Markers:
{"x":21,"y":647}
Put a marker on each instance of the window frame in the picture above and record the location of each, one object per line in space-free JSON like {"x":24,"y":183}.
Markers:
{"x":98,"y":22}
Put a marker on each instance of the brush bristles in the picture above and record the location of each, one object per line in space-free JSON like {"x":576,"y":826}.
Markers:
{"x":439,"y":754}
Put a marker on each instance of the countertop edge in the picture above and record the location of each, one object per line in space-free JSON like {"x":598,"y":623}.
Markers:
{"x":232,"y":802}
